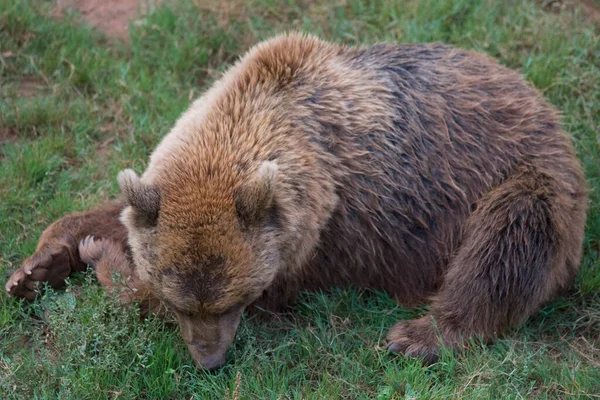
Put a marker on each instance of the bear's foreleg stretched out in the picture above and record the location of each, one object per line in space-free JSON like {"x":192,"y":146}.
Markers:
{"x":95,"y":238}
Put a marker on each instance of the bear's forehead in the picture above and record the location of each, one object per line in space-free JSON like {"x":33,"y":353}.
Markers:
{"x":204,"y":279}
{"x":199,"y":243}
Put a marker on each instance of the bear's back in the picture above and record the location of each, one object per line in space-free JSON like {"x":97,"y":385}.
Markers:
{"x":454,"y":125}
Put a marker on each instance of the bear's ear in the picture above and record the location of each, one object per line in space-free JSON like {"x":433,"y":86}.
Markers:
{"x":144,"y":199}
{"x":253,"y":198}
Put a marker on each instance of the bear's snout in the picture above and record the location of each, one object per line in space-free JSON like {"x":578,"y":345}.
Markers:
{"x":207,"y":358}
{"x":208,"y":337}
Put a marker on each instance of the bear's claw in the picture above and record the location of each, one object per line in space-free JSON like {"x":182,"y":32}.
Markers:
{"x":49,"y":264}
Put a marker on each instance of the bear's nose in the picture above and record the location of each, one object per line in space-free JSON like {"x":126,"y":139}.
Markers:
{"x":211,"y":362}
{"x":206,"y":357}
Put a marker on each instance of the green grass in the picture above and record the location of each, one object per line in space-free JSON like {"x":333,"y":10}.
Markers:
{"x":99,"y":106}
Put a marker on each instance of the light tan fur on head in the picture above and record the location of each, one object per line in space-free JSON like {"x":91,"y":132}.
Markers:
{"x":202,"y":264}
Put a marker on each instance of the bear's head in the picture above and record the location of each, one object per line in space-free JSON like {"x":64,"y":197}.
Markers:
{"x":206,"y":253}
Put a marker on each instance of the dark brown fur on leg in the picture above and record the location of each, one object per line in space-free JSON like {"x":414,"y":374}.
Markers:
{"x":519,"y":250}
{"x":57,"y":254}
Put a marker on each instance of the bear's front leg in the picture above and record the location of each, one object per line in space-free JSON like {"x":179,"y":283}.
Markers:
{"x":57,"y":253}
{"x":521,"y":248}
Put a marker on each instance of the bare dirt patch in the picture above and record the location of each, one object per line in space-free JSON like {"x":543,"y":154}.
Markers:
{"x":110,"y":16}
{"x":30,"y":86}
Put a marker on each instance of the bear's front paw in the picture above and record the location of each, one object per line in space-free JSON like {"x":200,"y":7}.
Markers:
{"x":50,"y":264}
{"x":418,"y":338}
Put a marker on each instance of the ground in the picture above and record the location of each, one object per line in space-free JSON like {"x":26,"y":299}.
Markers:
{"x":110,"y":16}
{"x":77,"y":105}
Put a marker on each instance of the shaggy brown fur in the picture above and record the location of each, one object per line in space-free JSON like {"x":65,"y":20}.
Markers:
{"x":429,"y":172}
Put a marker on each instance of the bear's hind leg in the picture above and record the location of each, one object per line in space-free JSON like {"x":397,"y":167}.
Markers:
{"x":521,"y":247}
{"x":116,"y":273}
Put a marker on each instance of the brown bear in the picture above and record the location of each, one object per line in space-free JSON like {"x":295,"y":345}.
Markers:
{"x":429,"y":172}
